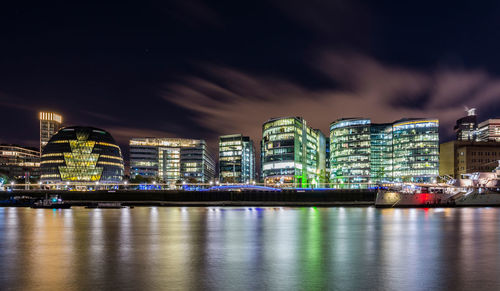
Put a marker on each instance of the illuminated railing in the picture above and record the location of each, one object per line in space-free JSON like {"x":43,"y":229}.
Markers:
{"x":211,"y":186}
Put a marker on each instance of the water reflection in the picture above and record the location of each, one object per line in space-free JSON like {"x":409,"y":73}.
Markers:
{"x":250,"y":248}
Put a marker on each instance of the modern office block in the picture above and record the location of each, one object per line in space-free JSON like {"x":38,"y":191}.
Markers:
{"x":364,"y":154}
{"x":489,"y":130}
{"x":350,"y":151}
{"x":50,"y":123}
{"x":19,"y":162}
{"x":171,"y":160}
{"x":293,"y":154}
{"x":236,"y":159}
{"x":81,"y":155}
{"x":416,"y":150}
{"x":466,"y":127}
{"x":381,"y":153}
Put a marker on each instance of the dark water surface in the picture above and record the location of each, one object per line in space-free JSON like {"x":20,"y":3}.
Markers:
{"x":250,"y":249}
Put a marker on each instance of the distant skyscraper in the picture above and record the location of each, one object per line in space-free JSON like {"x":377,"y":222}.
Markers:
{"x":466,"y":127}
{"x":489,"y":130}
{"x":236,"y":159}
{"x":293,"y":154}
{"x":50,"y":123}
{"x":171,"y":160}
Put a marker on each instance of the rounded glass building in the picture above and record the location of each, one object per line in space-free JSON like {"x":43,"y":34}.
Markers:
{"x":81,"y":155}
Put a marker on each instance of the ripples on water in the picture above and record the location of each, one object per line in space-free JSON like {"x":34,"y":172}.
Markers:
{"x":250,"y":248}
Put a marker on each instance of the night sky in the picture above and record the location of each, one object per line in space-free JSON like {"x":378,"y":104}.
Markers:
{"x":199,"y":69}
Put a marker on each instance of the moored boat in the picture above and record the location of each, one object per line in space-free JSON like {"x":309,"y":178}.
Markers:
{"x":474,"y":189}
{"x":53,"y":202}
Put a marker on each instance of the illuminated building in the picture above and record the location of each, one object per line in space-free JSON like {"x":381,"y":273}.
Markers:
{"x":466,"y":127}
{"x":363,"y":153}
{"x":236,"y":159}
{"x":381,"y":159}
{"x":327,"y":159}
{"x":350,"y":152}
{"x":81,"y":155}
{"x":489,"y":130}
{"x":171,"y":160}
{"x":416,"y":150}
{"x":19,"y":162}
{"x":462,"y":157}
{"x":293,"y":154}
{"x":50,"y":123}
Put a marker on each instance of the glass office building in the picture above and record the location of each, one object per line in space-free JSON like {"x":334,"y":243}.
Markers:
{"x":381,"y":152}
{"x":81,"y":155}
{"x":293,"y":154}
{"x":171,"y":160}
{"x":236,"y":159}
{"x":350,"y":152}
{"x":415,"y":150}
{"x":364,"y":154}
{"x":18,"y":162}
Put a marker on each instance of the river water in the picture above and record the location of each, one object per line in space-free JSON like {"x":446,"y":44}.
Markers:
{"x":250,"y":249}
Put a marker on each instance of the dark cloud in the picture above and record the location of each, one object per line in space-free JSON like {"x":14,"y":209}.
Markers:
{"x":232,"y":101}
{"x":198,"y":69}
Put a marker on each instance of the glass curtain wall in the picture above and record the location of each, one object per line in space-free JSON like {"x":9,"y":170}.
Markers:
{"x":416,"y":150}
{"x":292,"y":153}
{"x":350,"y":153}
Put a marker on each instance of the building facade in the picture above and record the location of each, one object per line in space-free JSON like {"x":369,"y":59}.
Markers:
{"x":489,"y":130}
{"x":171,"y":160}
{"x":236,"y":159}
{"x":364,"y":154}
{"x":466,"y":127}
{"x":81,"y":155}
{"x":327,"y":160}
{"x":462,"y":157}
{"x":415,"y":150}
{"x":350,"y":152}
{"x":18,"y":162}
{"x":381,"y":153}
{"x":50,"y":123}
{"x":293,"y":154}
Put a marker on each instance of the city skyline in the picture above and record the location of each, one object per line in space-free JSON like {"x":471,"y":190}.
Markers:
{"x":250,"y":145}
{"x":151,"y":81}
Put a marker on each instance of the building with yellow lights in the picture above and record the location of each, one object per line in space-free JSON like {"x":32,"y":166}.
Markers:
{"x":81,"y":155}
{"x":292,"y":153}
{"x":364,"y":154}
{"x":171,"y":160}
{"x":50,"y":123}
{"x":18,"y":162}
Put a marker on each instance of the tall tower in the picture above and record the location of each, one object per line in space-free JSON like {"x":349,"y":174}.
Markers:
{"x":50,"y":123}
{"x":466,"y":127}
